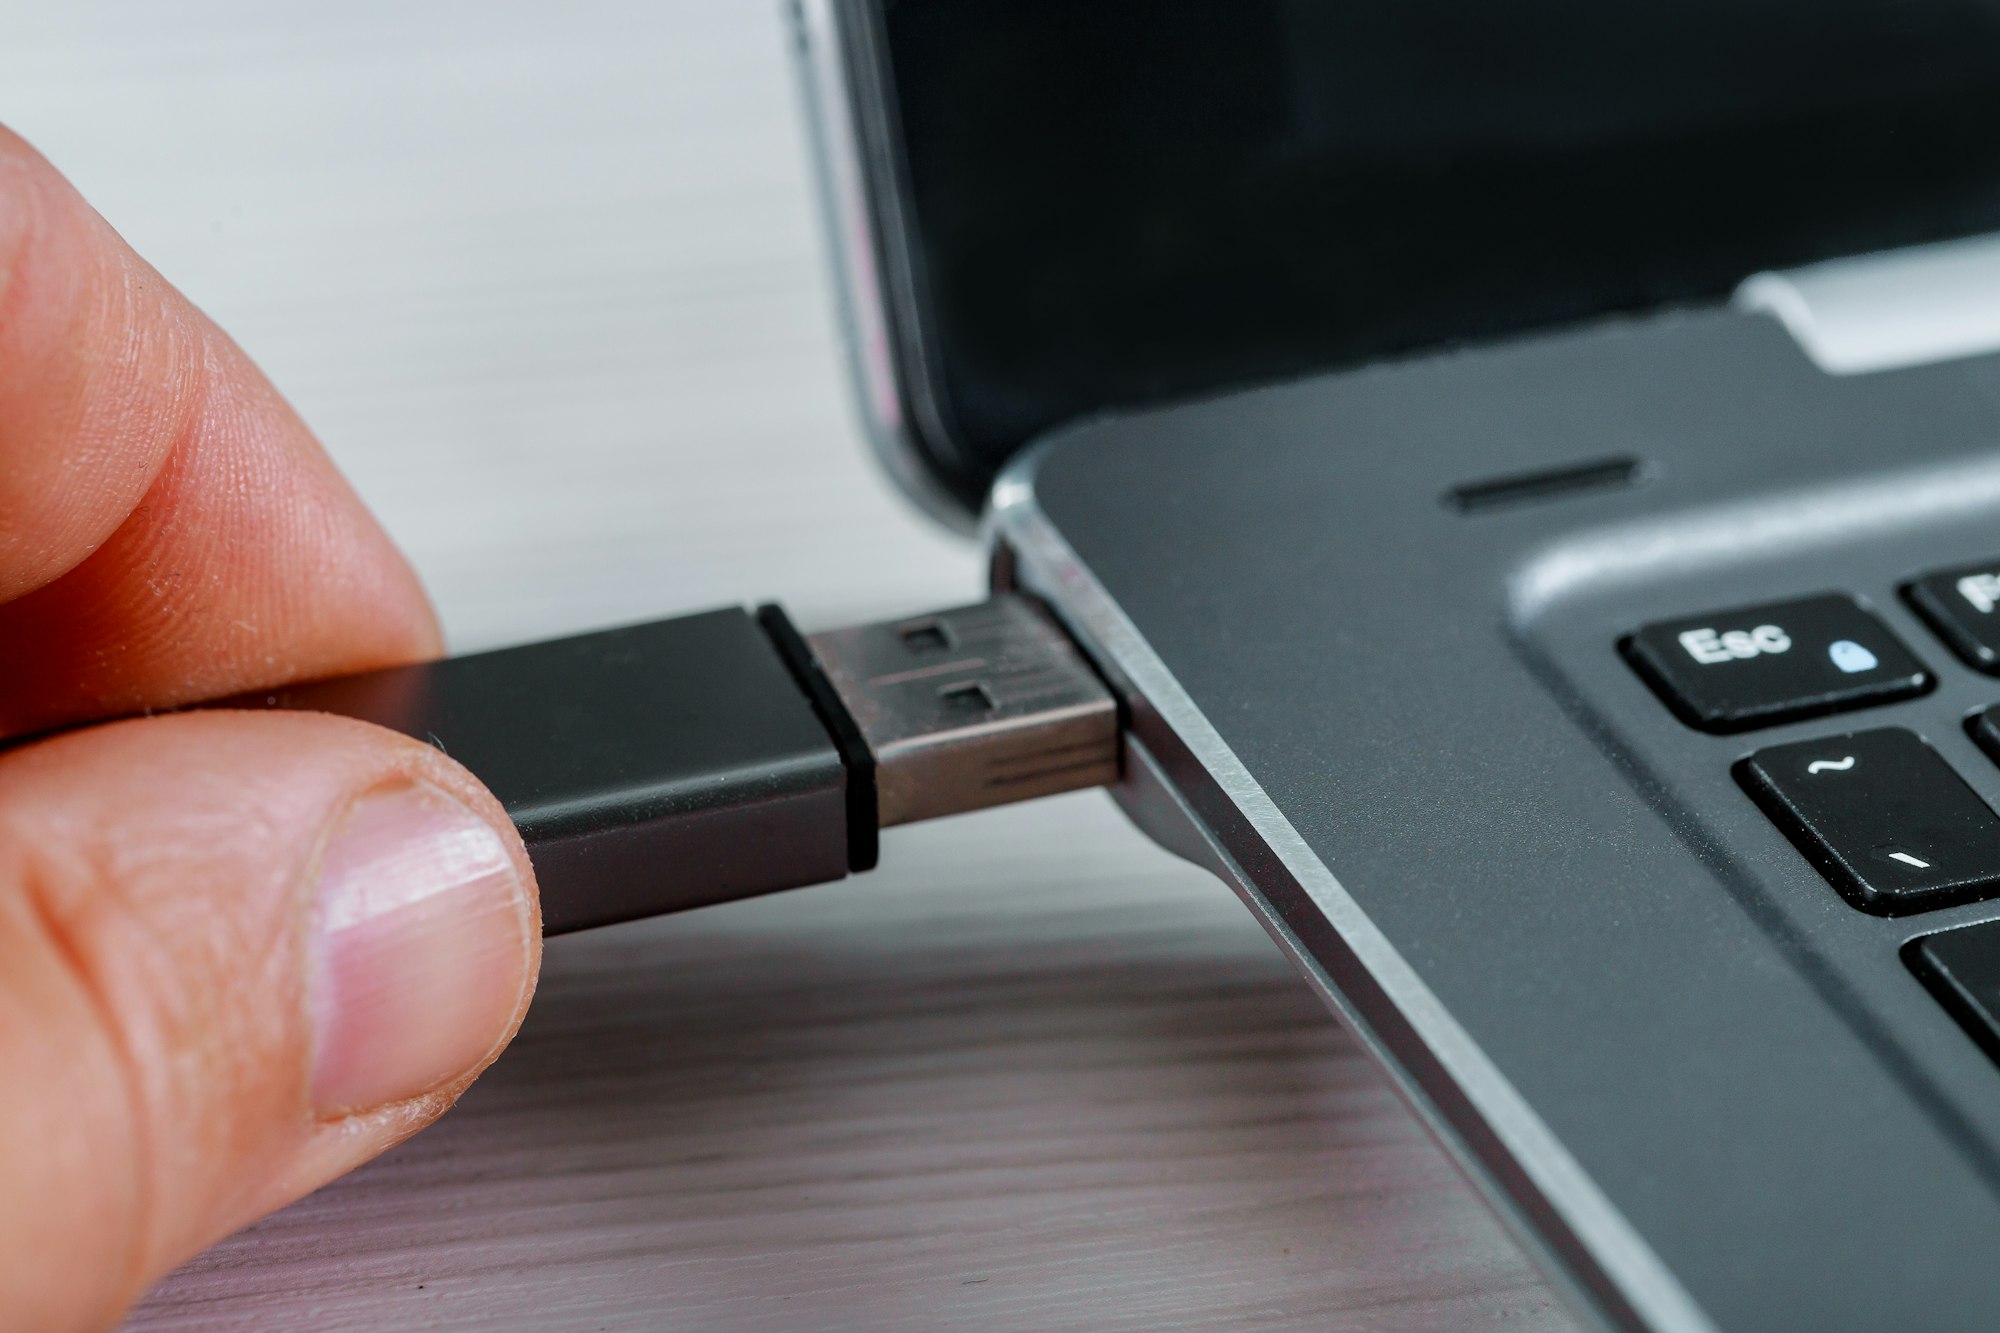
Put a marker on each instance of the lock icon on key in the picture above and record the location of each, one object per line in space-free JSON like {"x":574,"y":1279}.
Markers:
{"x":1851,"y":657}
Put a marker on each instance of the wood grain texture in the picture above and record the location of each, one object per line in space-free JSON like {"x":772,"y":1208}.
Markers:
{"x":546,"y":279}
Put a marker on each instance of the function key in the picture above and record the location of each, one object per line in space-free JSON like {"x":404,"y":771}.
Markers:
{"x":1883,"y":816}
{"x":1963,"y":606}
{"x":1757,"y":665}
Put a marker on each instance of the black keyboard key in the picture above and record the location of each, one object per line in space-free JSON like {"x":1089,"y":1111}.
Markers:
{"x":1883,"y":816}
{"x":1962,"y":968}
{"x":1985,"y":729}
{"x":1963,"y":606}
{"x":1757,"y":665}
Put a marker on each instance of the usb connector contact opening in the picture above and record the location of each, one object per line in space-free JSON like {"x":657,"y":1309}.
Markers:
{"x":723,"y":755}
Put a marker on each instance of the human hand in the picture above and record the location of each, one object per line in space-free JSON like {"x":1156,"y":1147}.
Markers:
{"x":240,"y":953}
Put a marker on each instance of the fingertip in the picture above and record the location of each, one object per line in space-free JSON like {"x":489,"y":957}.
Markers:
{"x":420,"y":949}
{"x":99,"y":374}
{"x":289,"y":941}
{"x":169,"y":529}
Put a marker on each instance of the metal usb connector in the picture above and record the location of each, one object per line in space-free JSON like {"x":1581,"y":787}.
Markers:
{"x":973,"y":707}
{"x":723,"y":755}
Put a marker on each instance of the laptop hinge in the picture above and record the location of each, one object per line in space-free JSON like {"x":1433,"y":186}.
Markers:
{"x":1893,"y":308}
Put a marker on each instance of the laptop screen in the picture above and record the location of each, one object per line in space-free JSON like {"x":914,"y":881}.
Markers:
{"x":1122,"y":201}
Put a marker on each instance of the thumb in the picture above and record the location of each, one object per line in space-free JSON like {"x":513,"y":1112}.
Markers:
{"x":240,"y":954}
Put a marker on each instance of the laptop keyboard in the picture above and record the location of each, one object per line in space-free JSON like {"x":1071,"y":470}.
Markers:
{"x":1879,"y":812}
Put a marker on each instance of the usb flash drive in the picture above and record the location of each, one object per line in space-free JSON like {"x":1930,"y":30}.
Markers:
{"x":722,"y":755}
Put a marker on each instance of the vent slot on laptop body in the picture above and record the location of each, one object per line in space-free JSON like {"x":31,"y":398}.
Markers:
{"x":1596,"y":474}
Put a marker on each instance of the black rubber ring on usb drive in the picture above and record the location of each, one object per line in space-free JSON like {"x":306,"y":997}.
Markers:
{"x":864,"y":832}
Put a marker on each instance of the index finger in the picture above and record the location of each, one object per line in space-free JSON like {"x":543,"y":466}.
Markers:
{"x":169,"y":529}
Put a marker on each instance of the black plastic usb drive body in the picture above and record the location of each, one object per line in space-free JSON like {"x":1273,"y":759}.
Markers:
{"x":650,"y":768}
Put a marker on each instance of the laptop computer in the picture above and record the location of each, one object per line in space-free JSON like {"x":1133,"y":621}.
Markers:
{"x":1531,"y":474}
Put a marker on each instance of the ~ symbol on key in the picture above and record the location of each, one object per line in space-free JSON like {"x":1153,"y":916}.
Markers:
{"x":1830,"y":765}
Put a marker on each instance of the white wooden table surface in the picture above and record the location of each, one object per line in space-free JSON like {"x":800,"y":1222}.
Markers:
{"x":546,"y":278}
